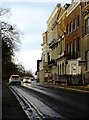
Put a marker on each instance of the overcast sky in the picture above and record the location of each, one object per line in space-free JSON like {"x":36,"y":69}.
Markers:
{"x":30,"y":17}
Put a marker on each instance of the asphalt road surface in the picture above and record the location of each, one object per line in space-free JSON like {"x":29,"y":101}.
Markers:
{"x":70,"y":104}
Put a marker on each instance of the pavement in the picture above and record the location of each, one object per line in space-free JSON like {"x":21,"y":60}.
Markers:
{"x":68,"y":87}
{"x":74,"y":88}
{"x":11,"y":109}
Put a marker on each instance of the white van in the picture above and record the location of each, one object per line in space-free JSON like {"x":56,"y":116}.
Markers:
{"x":14,"y":79}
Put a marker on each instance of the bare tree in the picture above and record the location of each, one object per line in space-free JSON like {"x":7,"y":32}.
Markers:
{"x":10,"y":37}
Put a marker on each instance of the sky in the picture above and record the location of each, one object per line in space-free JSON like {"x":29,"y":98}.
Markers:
{"x":30,"y":17}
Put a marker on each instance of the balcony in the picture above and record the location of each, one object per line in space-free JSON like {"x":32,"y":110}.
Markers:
{"x":72,"y":55}
{"x":52,"y":62}
{"x":63,"y":54}
{"x":53,"y":43}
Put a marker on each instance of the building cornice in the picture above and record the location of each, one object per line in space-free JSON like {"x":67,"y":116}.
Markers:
{"x":72,"y":7}
{"x":58,"y":6}
{"x":61,"y":16}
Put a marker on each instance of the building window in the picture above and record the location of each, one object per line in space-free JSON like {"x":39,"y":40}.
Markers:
{"x":62,"y":68}
{"x":87,"y":26}
{"x":73,"y":49}
{"x":67,"y":29}
{"x":86,"y":2}
{"x":70,"y":26}
{"x":78,"y":20}
{"x":87,"y":60}
{"x":68,"y":48}
{"x":48,"y":55}
{"x":60,"y":46}
{"x":74,"y":23}
{"x":58,"y":69}
{"x":77,"y":45}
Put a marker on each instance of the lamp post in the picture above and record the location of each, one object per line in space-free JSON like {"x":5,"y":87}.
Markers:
{"x":0,"y":73}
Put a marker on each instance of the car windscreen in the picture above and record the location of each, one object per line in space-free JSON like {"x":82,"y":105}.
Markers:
{"x":15,"y":76}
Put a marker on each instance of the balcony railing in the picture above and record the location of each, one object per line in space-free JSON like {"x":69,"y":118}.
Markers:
{"x":52,"y":62}
{"x":63,"y":54}
{"x":53,"y":43}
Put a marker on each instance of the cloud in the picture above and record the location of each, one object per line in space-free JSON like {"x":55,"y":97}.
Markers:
{"x":31,"y":42}
{"x":32,"y":22}
{"x":29,"y":1}
{"x":38,"y":1}
{"x":29,"y":58}
{"x":29,"y":18}
{"x":31,"y":38}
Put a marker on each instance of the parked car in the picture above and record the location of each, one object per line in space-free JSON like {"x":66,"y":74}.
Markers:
{"x":33,"y":80}
{"x":26,"y":80}
{"x":14,"y":79}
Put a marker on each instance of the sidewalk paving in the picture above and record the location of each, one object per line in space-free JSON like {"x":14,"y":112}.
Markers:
{"x":75,"y":88}
{"x":69,"y":87}
{"x":11,"y":109}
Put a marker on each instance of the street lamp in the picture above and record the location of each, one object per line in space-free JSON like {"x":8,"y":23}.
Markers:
{"x":0,"y":73}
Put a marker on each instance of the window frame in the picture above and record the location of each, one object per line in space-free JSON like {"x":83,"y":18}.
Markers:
{"x":87,"y":26}
{"x":70,"y":27}
{"x":67,"y":29}
{"x":86,"y":2}
{"x":74,"y":24}
{"x":78,"y":22}
{"x":87,"y":60}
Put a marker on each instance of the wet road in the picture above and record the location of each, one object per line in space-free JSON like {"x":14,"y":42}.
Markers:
{"x":70,"y":104}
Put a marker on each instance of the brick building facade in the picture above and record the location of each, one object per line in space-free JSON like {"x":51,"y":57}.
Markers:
{"x":67,"y":40}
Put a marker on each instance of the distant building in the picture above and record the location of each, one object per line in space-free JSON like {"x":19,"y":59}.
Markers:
{"x":37,"y":72}
{"x":52,"y":38}
{"x":85,"y":41}
{"x":44,"y":69}
{"x":73,"y":41}
{"x":65,"y":46}
{"x":61,"y":57}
